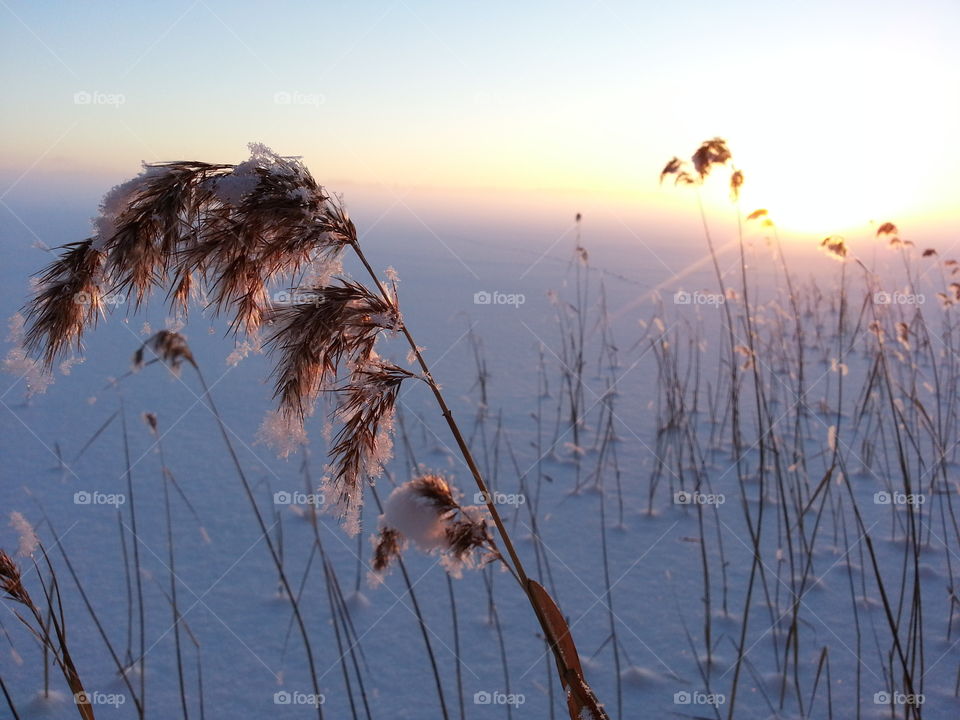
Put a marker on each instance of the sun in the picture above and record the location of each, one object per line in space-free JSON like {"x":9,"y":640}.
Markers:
{"x":829,"y":185}
{"x":805,"y":203}
{"x":829,"y":146}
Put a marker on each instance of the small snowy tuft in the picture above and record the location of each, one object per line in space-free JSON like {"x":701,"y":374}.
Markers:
{"x":414,"y":517}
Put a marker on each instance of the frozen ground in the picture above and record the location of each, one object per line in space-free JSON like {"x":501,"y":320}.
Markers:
{"x":228,"y":590}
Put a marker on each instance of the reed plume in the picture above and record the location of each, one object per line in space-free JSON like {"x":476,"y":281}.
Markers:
{"x":835,"y":246}
{"x":193,"y":228}
{"x":68,"y":300}
{"x":168,"y":346}
{"x":11,"y":582}
{"x":365,"y":440}
{"x":311,"y":338}
{"x":426,"y":511}
{"x":711,"y":153}
{"x":387,"y":547}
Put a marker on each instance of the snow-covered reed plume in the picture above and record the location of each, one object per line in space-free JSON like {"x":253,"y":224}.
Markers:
{"x":426,"y":512}
{"x":364,"y":442}
{"x":226,"y":233}
{"x":188,"y":226}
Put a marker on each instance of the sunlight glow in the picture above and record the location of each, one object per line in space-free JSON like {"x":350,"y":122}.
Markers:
{"x":830,"y":143}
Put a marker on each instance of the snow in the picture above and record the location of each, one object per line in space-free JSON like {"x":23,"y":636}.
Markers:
{"x":17,"y":363}
{"x":232,"y":188}
{"x":115,"y":201}
{"x":228,"y":586}
{"x":282,"y":432}
{"x":407,"y":511}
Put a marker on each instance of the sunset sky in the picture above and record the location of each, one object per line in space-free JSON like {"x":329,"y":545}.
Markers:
{"x":838,"y":113}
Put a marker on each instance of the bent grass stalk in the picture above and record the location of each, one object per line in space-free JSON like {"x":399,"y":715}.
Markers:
{"x":11,"y":583}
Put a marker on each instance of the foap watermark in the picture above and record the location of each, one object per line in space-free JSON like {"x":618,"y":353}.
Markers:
{"x":686,"y":697}
{"x":95,"y":497}
{"x":95,"y":697}
{"x":499,"y":498}
{"x":296,"y":497}
{"x":285,"y":697}
{"x":295,"y":97}
{"x":682,"y":297}
{"x":482,"y":697}
{"x":296,"y":297}
{"x":898,"y":698}
{"x":898,"y":298}
{"x":694,"y":497}
{"x":495,"y":297}
{"x":96,"y":97}
{"x":86,"y":299}
{"x":898,"y":498}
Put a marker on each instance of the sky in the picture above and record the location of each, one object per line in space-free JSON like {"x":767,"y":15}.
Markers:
{"x":838,"y":113}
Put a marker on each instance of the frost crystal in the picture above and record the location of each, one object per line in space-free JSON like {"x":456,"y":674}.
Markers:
{"x":116,"y":201}
{"x":282,"y":432}
{"x":18,"y":362}
{"x":28,"y":538}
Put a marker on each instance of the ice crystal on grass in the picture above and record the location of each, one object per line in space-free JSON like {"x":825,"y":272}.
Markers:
{"x":18,"y":362}
{"x":364,"y":441}
{"x":281,"y":432}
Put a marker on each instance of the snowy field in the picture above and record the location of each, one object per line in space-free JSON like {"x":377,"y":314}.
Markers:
{"x":764,"y":521}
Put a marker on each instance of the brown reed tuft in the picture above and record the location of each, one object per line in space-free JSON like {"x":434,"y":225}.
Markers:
{"x":68,"y":300}
{"x":887,"y":228}
{"x":673,"y":166}
{"x":835,"y":245}
{"x":311,"y":338}
{"x":437,"y":491}
{"x":711,"y":152}
{"x":387,"y":548}
{"x":364,"y":442}
{"x":169,"y":346}
{"x":736,"y":182}
{"x":11,"y":581}
{"x":468,"y":533}
{"x":191,"y":227}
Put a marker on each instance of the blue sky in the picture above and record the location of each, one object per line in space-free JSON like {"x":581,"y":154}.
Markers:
{"x":831,"y":110}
